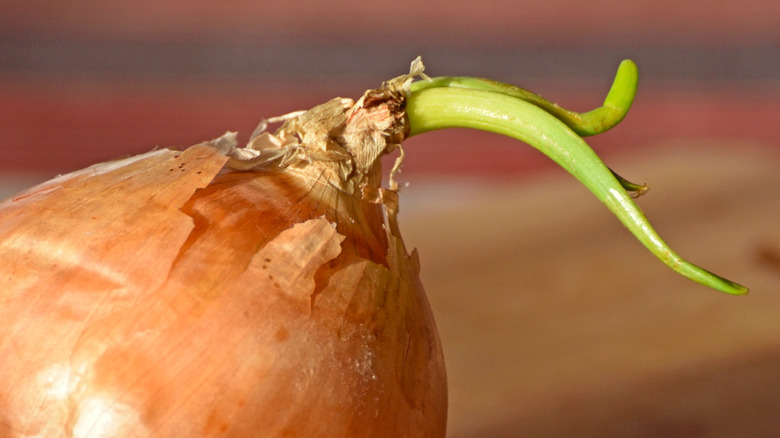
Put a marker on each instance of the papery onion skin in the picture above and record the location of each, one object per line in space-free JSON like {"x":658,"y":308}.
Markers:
{"x":162,"y":297}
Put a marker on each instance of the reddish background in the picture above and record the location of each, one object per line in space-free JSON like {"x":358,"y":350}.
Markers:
{"x":82,"y":81}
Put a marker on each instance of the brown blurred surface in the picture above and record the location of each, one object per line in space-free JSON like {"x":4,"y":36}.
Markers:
{"x":556,"y":322}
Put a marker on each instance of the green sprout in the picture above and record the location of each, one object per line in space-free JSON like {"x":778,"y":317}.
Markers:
{"x":487,"y":105}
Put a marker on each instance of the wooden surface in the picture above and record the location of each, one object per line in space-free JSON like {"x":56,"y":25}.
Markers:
{"x":556,"y":322}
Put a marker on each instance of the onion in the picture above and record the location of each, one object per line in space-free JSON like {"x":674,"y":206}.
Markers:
{"x":257,"y":291}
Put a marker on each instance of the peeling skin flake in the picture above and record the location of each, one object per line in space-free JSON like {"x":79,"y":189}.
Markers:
{"x":292,"y":257}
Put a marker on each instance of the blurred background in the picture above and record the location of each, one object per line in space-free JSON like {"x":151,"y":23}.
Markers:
{"x":557,"y":322}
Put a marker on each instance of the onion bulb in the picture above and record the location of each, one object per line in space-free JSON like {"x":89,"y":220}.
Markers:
{"x":225,"y":291}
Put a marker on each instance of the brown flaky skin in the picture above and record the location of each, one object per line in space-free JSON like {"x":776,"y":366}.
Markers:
{"x":165,"y":296}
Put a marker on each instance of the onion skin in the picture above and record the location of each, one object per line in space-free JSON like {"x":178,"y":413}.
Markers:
{"x":164,"y":296}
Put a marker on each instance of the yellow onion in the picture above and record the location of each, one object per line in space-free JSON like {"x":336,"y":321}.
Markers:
{"x":224,"y":291}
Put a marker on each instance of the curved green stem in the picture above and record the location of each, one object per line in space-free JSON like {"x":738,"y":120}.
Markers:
{"x":430,"y":108}
{"x":613,"y":111}
{"x":616,"y":105}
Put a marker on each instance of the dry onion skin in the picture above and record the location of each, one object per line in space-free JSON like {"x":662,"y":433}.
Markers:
{"x":265,"y":290}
